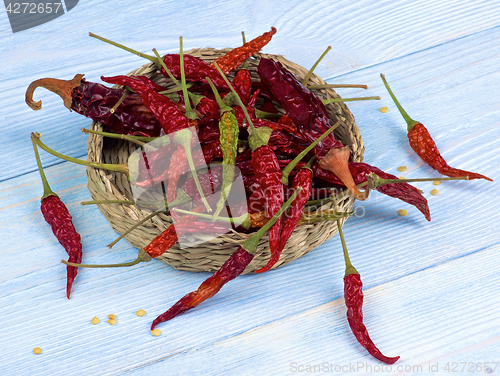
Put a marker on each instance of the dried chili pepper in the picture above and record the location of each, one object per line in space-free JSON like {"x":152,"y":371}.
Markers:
{"x":96,"y":101}
{"x":353,"y":294}
{"x":242,"y":81}
{"x":303,"y":179}
{"x":310,"y":116}
{"x":56,"y":214}
{"x":232,"y":268}
{"x":425,"y":147}
{"x":234,"y":58}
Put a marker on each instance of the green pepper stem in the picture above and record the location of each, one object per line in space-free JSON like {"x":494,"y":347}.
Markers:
{"x":349,"y":269}
{"x":130,"y":229}
{"x":47,"y":191}
{"x":336,"y":100}
{"x":123,"y":168}
{"x":266,"y":115}
{"x":190,"y":114}
{"x":411,"y":123}
{"x":139,"y":140}
{"x":333,"y":86}
{"x":142,"y":257}
{"x":288,"y":169}
{"x":140,"y":54}
{"x":223,"y":107}
{"x":309,"y":74}
{"x":120,"y":101}
{"x":251,"y":243}
{"x":240,"y":103}
{"x":244,"y":219}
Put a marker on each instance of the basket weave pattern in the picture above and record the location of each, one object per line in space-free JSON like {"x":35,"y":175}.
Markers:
{"x":212,"y":253}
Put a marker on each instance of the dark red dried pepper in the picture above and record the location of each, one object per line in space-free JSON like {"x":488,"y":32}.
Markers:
{"x":425,"y":147}
{"x":96,"y":101}
{"x":56,"y":214}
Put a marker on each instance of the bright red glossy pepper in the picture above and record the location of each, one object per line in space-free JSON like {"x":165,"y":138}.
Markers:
{"x":425,"y":147}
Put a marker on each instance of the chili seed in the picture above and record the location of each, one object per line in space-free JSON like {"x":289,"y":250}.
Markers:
{"x":112,"y":321}
{"x":402,"y":212}
{"x":434,"y":192}
{"x":402,"y":177}
{"x":140,"y":312}
{"x":95,"y":320}
{"x":402,"y":168}
{"x":384,"y":109}
{"x":37,"y":350}
{"x":111,"y":316}
{"x":156,"y":332}
{"x":436,"y":182}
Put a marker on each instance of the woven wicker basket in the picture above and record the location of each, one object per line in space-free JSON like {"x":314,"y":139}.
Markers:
{"x":211,"y":254}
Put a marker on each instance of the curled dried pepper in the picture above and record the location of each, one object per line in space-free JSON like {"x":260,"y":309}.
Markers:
{"x":232,"y":268}
{"x":353,"y":294}
{"x":97,"y":101}
{"x":425,"y":147}
{"x":56,"y":214}
{"x":234,"y":58}
{"x":242,"y":81}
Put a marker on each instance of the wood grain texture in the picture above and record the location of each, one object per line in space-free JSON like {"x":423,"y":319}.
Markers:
{"x":430,"y":287}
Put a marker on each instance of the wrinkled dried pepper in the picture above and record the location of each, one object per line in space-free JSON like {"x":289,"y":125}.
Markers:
{"x":425,"y":147}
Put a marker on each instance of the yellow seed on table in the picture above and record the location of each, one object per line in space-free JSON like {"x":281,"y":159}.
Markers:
{"x":434,"y":192}
{"x":402,"y":212}
{"x":384,"y":109}
{"x":37,"y":350}
{"x":112,"y":321}
{"x":402,"y":168}
{"x":140,"y":312}
{"x":436,"y":182}
{"x":402,"y":177}
{"x":156,"y":332}
{"x":111,"y":316}
{"x":95,"y":320}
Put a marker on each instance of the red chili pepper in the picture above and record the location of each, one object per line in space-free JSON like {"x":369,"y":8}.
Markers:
{"x":234,"y":58}
{"x":353,"y":294}
{"x":97,"y":101}
{"x":56,"y":214}
{"x":425,"y":147}
{"x":303,"y":179}
{"x":163,"y":108}
{"x":232,"y":268}
{"x":242,"y":82}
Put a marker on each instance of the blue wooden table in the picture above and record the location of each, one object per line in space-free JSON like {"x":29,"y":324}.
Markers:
{"x":431,"y":288}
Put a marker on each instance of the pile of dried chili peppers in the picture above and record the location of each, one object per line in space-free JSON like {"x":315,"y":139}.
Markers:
{"x":268,"y":124}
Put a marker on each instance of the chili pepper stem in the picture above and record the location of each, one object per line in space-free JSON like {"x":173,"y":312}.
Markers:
{"x":349,"y":269}
{"x":190,"y":114}
{"x":288,"y":169}
{"x":309,"y":74}
{"x":223,"y":106}
{"x":130,"y":229}
{"x":244,"y":219}
{"x":63,"y":88}
{"x":123,"y":168}
{"x":139,"y":140}
{"x":183,"y":138}
{"x":251,"y":243}
{"x":337,"y":100}
{"x":142,"y":257}
{"x":140,"y":54}
{"x":411,"y":123}
{"x":47,"y":191}
{"x":120,"y":101}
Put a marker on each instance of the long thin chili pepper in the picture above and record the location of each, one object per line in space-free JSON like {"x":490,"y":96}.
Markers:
{"x":232,"y":268}
{"x":311,"y":118}
{"x":425,"y":147}
{"x":353,"y":294}
{"x":96,"y":101}
{"x":56,"y":214}
{"x":302,"y":180}
{"x":234,"y":58}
